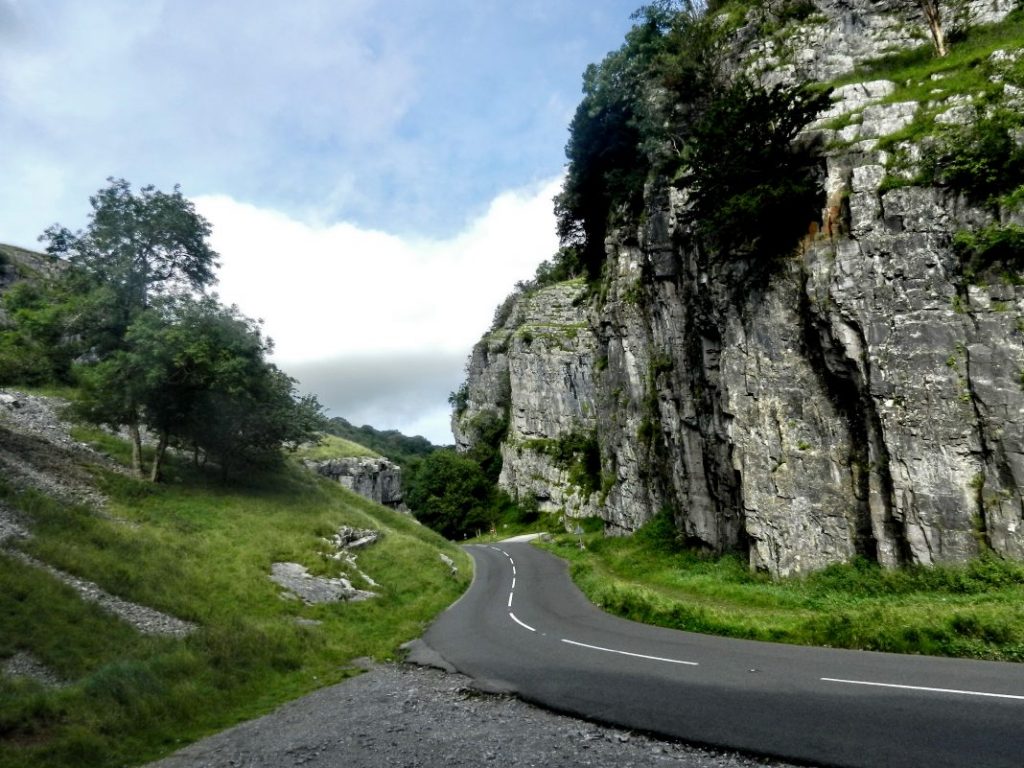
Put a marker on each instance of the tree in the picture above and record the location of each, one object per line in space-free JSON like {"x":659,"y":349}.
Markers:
{"x":753,"y":187}
{"x":607,"y":160}
{"x":160,"y":354}
{"x":135,"y":247}
{"x":449,"y":493}
{"x":932,"y":13}
{"x":194,"y":373}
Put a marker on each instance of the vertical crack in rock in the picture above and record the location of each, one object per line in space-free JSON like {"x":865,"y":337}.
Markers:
{"x":878,"y":536}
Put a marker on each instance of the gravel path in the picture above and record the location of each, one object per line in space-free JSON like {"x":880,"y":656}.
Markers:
{"x":37,"y":450}
{"x":401,"y":715}
{"x":26,"y":665}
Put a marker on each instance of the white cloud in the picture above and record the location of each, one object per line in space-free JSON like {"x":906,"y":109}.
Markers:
{"x":378,"y":325}
{"x":330,"y":291}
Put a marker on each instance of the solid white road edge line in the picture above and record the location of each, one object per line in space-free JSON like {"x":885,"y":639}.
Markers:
{"x":521,"y":624}
{"x":628,"y":653}
{"x":924,"y":688}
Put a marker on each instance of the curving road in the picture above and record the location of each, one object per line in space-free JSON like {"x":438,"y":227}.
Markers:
{"x":524,"y":627}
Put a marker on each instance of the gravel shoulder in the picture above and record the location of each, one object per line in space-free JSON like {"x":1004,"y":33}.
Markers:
{"x":403,"y":715}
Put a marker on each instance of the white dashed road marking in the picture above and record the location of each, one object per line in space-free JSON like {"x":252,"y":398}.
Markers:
{"x":925,"y":688}
{"x":628,"y":653}
{"x":521,"y":624}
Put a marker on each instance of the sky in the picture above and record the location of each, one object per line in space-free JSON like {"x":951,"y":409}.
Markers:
{"x":378,"y":175}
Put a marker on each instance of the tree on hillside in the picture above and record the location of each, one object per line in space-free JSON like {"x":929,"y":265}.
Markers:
{"x":449,"y":493}
{"x":154,"y":352}
{"x":135,"y":248}
{"x":138,"y":245}
{"x":194,"y":373}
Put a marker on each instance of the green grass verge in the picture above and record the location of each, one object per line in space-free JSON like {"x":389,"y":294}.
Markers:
{"x":974,"y":611}
{"x":334,"y":447}
{"x":201,"y":551}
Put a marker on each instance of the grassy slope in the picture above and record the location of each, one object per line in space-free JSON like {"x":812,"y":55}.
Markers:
{"x":922,"y":77}
{"x":200,"y":551}
{"x":334,"y":447}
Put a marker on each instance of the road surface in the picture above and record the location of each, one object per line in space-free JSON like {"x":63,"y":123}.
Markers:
{"x":524,"y":627}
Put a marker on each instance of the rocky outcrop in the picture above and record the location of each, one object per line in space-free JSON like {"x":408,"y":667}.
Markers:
{"x":862,"y":398}
{"x":374,"y":477}
{"x":833,"y":36}
{"x":536,"y":370}
{"x":17,"y":264}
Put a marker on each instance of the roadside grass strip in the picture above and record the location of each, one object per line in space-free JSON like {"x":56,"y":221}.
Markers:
{"x":970,"y":611}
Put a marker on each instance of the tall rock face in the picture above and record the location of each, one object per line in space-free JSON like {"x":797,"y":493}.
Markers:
{"x":535,"y":372}
{"x":862,"y":398}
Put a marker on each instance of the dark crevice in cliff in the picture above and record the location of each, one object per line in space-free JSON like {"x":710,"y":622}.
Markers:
{"x":848,"y":391}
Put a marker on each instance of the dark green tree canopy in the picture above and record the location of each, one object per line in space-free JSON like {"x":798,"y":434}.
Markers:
{"x":450,"y":493}
{"x":137,"y":247}
{"x":667,"y":108}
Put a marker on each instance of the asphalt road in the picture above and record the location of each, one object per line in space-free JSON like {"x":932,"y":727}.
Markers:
{"x":524,"y":627}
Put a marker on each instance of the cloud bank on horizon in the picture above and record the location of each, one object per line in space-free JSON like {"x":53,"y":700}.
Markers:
{"x":395,"y":142}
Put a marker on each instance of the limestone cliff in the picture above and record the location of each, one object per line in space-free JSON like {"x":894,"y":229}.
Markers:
{"x":865,"y":399}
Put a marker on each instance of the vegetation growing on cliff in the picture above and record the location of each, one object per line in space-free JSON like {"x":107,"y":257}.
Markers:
{"x":578,"y":453}
{"x":666,"y":105}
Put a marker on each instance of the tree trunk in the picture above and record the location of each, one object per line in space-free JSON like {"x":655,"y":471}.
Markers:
{"x":933,"y":15}
{"x":158,"y":460}
{"x":133,"y":430}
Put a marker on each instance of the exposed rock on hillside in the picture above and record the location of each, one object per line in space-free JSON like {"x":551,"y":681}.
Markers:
{"x":38,"y":453}
{"x":865,"y":399}
{"x":374,"y":477}
{"x":18,"y":264}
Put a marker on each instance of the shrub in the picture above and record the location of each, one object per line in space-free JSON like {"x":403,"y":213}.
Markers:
{"x":753,"y":188}
{"x":981,"y":159}
{"x":995,"y":248}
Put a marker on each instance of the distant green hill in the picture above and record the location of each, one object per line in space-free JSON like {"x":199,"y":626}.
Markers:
{"x":390,"y":443}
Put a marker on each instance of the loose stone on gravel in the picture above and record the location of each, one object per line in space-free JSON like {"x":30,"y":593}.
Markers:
{"x":401,"y":715}
{"x":10,"y":525}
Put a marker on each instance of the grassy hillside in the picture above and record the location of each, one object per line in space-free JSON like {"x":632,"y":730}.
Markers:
{"x":200,"y":551}
{"x":401,"y":449}
{"x":334,"y":447}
